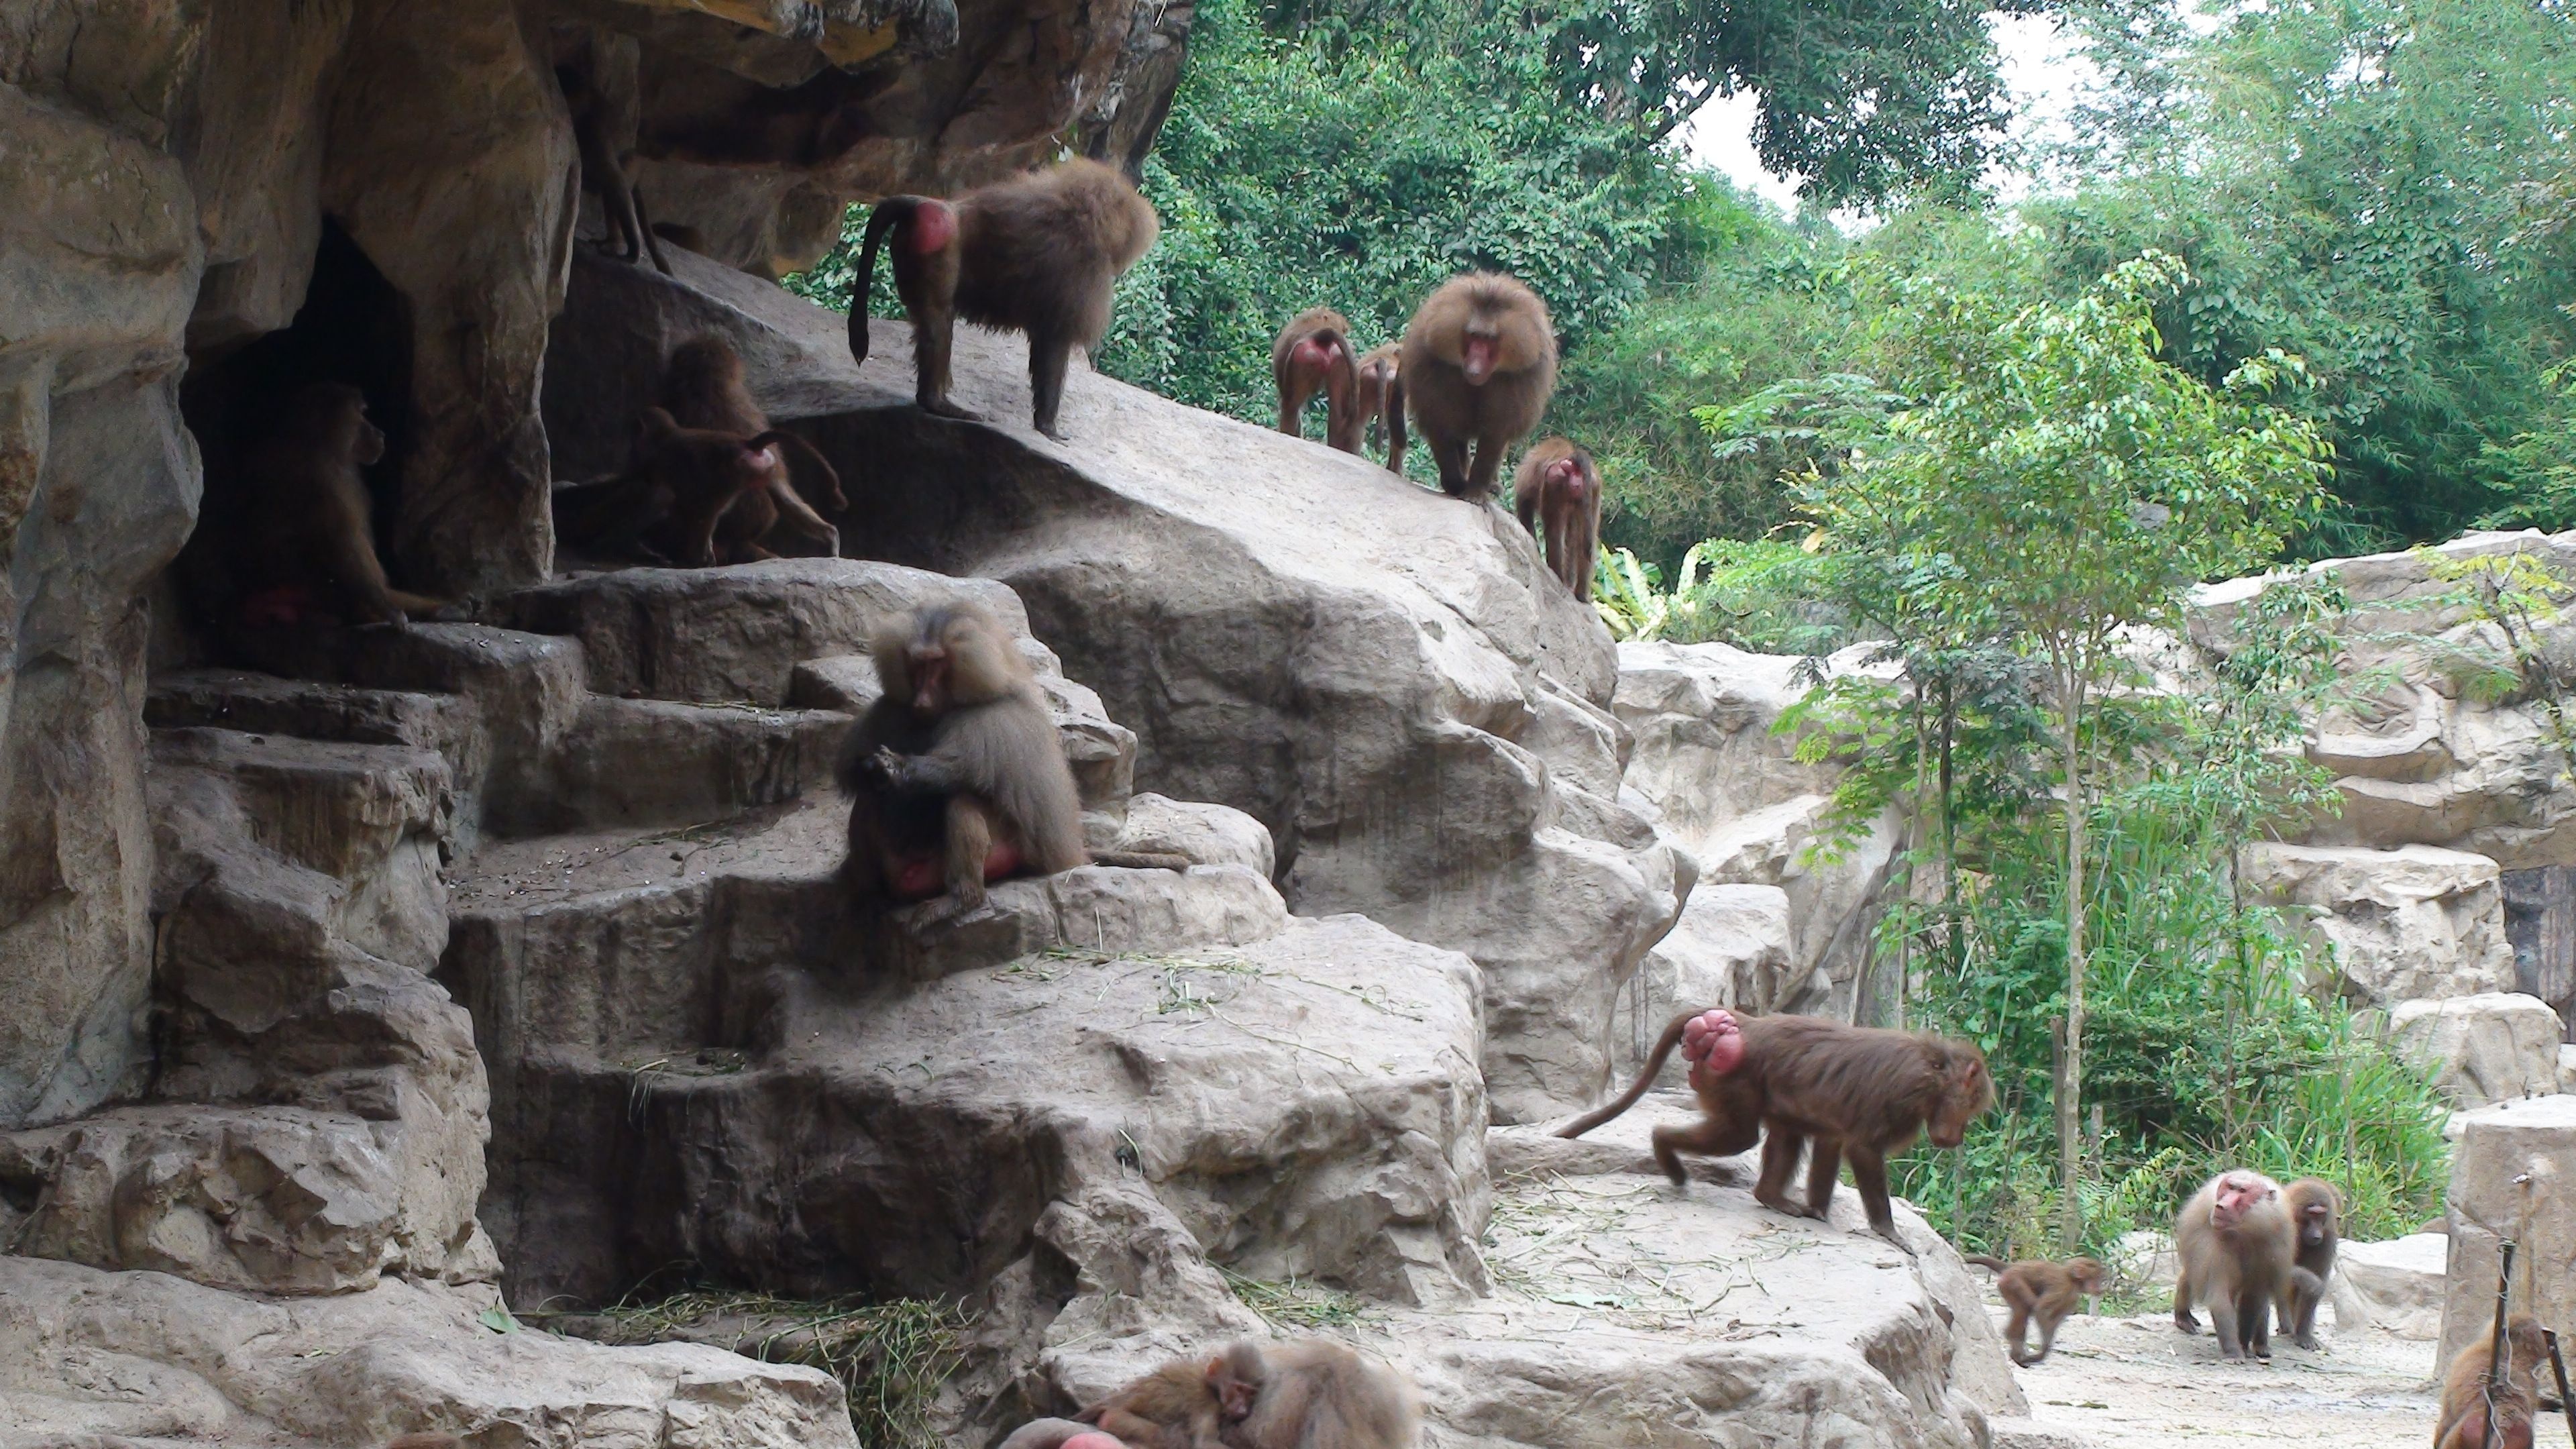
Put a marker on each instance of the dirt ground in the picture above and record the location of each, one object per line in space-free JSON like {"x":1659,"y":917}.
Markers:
{"x":2135,"y":1383}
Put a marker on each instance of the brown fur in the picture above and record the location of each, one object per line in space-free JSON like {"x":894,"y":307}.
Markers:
{"x":702,"y":387}
{"x":1379,"y":402}
{"x":2237,"y":1251}
{"x":309,"y":518}
{"x":1320,"y":1395}
{"x":1858,"y":1091}
{"x":796,"y":128}
{"x":957,"y":757}
{"x":425,"y":1441}
{"x":1313,"y":354}
{"x":1558,"y":486}
{"x":1495,"y":318}
{"x":599,"y":89}
{"x":2463,"y":1424}
{"x":1038,"y":254}
{"x":2045,"y":1291}
{"x":2316,"y":1211}
{"x":1183,"y":1404}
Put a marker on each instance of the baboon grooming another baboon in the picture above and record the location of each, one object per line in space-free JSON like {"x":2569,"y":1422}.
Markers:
{"x":956,"y":775}
{"x":702,"y":387}
{"x":1183,"y":1404}
{"x":1557,"y":494}
{"x":1858,"y":1091}
{"x":1313,"y":354}
{"x":1037,"y":254}
{"x":1478,"y":366}
{"x":2048,"y":1292}
{"x":309,"y":520}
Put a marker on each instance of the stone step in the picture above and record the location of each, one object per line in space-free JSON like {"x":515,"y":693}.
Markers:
{"x":629,"y":762}
{"x":264,"y":704}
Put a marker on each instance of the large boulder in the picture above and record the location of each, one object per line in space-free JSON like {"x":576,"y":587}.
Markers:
{"x":2480,"y":1049}
{"x":1388,"y":680}
{"x":88,"y":1357}
{"x":2509,"y":1175}
{"x":2400,"y":1284}
{"x":1730,"y":948}
{"x":2412,"y":924}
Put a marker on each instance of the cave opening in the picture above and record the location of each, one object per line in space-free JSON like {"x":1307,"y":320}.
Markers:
{"x":352,"y":327}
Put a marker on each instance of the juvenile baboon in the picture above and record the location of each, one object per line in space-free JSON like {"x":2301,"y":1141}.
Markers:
{"x":309,"y":520}
{"x":1038,"y":254}
{"x":681,"y":480}
{"x":2316,"y":1210}
{"x":1557,"y":494}
{"x":599,"y":90}
{"x":1478,"y":366}
{"x":2236,"y":1251}
{"x":702,"y":388}
{"x":1380,"y":403}
{"x":956,"y":775}
{"x":2048,"y":1292}
{"x":2466,"y":1390}
{"x":1183,"y":1404}
{"x":1312,"y":1394}
{"x":1313,"y":354}
{"x":1860,"y":1092}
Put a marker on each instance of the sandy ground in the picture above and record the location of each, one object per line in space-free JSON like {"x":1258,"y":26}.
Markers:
{"x":2135,"y":1383}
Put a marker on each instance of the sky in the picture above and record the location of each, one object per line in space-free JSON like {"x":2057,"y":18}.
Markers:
{"x":2042,"y":69}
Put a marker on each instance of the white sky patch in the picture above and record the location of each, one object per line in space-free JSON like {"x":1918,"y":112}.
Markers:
{"x":2043,"y":72}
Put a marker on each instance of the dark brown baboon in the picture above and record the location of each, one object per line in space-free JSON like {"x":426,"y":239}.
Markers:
{"x":2237,"y":1253}
{"x":1183,"y":1404}
{"x":1557,"y":494}
{"x":309,"y":522}
{"x":2048,"y":1292}
{"x":956,"y":775}
{"x":1380,"y":401}
{"x":2316,"y":1210}
{"x":599,"y":90}
{"x":702,"y":388}
{"x":680,"y":481}
{"x":1318,"y":1395}
{"x":1313,"y":354}
{"x":1857,"y":1091}
{"x":2516,"y":1391}
{"x":1478,"y":365}
{"x":1037,"y":254}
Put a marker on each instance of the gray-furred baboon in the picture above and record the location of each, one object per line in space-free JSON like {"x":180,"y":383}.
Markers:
{"x":1478,"y":366}
{"x":2236,"y":1251}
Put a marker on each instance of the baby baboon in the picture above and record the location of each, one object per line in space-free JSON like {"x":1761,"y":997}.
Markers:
{"x":2516,"y":1391}
{"x":1380,"y":403}
{"x":681,"y":481}
{"x":2044,"y":1291}
{"x":1038,"y":254}
{"x":1860,"y":1092}
{"x":2316,"y":1210}
{"x":1478,"y":365}
{"x":1313,"y":354}
{"x":956,"y":775}
{"x":309,"y":520}
{"x":1557,"y":494}
{"x":1183,"y":1404}
{"x":1313,"y":1394}
{"x":702,"y":387}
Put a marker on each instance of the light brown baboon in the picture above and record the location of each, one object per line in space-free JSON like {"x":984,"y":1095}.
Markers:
{"x":956,"y":775}
{"x":1857,"y":1091}
{"x":1313,"y":1394}
{"x":1479,"y":364}
{"x":2048,"y":1292}
{"x":309,"y":519}
{"x":702,"y":388}
{"x":599,"y":89}
{"x":1037,"y":254}
{"x":1183,"y":1404}
{"x":2237,"y":1253}
{"x":2516,"y":1392}
{"x":2316,"y":1209}
{"x":1557,"y":494}
{"x":1380,"y":403}
{"x":1313,"y":354}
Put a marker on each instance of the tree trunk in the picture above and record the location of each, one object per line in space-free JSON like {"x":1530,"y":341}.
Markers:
{"x":2070,"y":1063}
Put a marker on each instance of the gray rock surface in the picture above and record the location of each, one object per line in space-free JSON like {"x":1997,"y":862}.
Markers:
{"x":1730,"y":948}
{"x":2400,"y":1283}
{"x":2414,"y":923}
{"x":2480,"y":1049}
{"x":2509,"y":1175}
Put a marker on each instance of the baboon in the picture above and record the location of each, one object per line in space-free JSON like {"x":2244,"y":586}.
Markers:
{"x":1059,"y":1434}
{"x":1380,"y":400}
{"x":600,"y":93}
{"x":1183,"y":1404}
{"x":2316,"y":1210}
{"x":2043,"y":1291}
{"x":1313,"y":1394}
{"x":702,"y":388}
{"x":1478,"y":366}
{"x":2516,"y":1392}
{"x":1313,"y":354}
{"x":2236,"y":1252}
{"x":1557,"y":494}
{"x":1037,"y":254}
{"x":309,"y":520}
{"x":1860,"y":1092}
{"x":681,"y":481}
